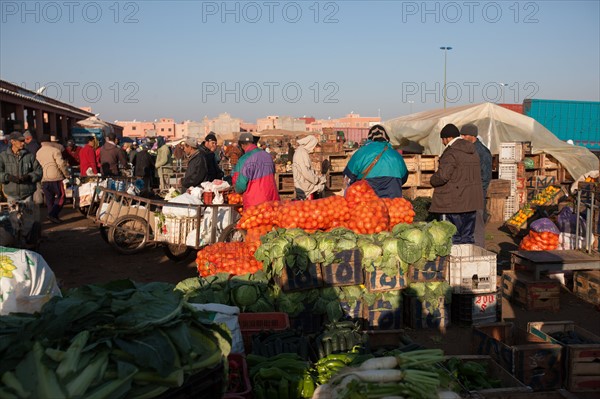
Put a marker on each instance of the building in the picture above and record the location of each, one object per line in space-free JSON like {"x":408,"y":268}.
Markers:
{"x":275,"y":122}
{"x":22,"y":109}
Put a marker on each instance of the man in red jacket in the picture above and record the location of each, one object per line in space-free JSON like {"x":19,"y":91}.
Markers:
{"x":88,"y":163}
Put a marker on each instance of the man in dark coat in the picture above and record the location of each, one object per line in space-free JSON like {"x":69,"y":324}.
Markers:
{"x":196,"y":171}
{"x":458,"y":193}
{"x":144,"y":167}
{"x":208,"y":147}
{"x":469,"y":132}
{"x":112,"y":157}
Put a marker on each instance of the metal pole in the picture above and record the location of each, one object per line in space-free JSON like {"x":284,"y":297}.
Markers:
{"x":445,"y":62}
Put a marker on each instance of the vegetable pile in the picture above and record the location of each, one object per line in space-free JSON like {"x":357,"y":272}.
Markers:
{"x":534,"y":241}
{"x":121,"y":339}
{"x":471,"y":375}
{"x":283,"y":376}
{"x":231,"y":257}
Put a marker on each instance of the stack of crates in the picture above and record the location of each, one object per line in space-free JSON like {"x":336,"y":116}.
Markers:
{"x":472,"y":276}
{"x":511,"y":168}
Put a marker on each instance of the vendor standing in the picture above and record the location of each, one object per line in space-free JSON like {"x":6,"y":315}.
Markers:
{"x":254,"y":174}
{"x":307,"y":182}
{"x":196,"y":171}
{"x":379,"y":164}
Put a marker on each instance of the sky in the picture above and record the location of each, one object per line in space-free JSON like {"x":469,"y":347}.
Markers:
{"x":145,"y":60}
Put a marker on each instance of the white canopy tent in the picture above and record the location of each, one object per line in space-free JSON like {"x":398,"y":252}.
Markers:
{"x":93,"y":122}
{"x":496,"y":125}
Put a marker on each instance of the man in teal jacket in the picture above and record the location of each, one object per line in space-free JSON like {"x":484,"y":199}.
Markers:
{"x":378,"y":163}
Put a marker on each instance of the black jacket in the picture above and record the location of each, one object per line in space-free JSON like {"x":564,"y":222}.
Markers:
{"x":213,"y":170}
{"x":196,"y":171}
{"x":143,"y":164}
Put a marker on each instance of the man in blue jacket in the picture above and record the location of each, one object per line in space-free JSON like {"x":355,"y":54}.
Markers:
{"x":379,"y":164}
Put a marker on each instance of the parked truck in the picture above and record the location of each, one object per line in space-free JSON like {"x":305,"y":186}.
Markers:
{"x":568,"y":120}
{"x":80,"y":135}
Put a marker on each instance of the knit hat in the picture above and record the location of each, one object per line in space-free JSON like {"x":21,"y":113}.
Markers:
{"x":192,"y":142}
{"x":378,"y":133}
{"x":246,"y":138}
{"x":469,"y":130}
{"x":210,"y":137}
{"x":27,"y":134}
{"x":449,"y":131}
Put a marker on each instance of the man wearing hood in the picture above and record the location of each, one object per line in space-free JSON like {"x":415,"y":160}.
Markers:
{"x":458,"y":193}
{"x":307,"y":182}
{"x":379,"y":164}
{"x":164,"y":162}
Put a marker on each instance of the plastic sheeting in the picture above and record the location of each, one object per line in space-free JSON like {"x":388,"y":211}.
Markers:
{"x":496,"y":125}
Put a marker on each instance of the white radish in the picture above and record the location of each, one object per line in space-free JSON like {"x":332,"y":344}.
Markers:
{"x":324,"y":391}
{"x":379,"y":363}
{"x":338,"y":391}
{"x":380,"y":375}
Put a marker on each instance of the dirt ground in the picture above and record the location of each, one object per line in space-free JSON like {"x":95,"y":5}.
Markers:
{"x":78,"y":256}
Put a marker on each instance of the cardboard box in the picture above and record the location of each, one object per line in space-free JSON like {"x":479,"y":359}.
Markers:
{"x":582,"y":368}
{"x":586,"y":285}
{"x":419,"y":314}
{"x":298,"y":280}
{"x":436,"y":270}
{"x":384,"y":315}
{"x":378,"y":281}
{"x":531,"y":359}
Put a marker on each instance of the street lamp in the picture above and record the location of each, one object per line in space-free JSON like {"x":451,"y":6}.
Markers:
{"x":445,"y":62}
{"x":411,"y":103}
{"x":503,"y":85}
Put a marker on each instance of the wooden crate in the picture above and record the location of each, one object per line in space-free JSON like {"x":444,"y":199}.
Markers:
{"x":335,"y":180}
{"x":582,"y":369}
{"x":338,"y":163}
{"x":418,"y":314}
{"x":586,"y":285}
{"x":353,"y":311}
{"x":469,"y":309}
{"x":495,"y":209}
{"x":384,"y":315}
{"x":345,"y":270}
{"x":428,"y":163}
{"x":509,"y":384}
{"x":436,"y":270}
{"x":425,"y":179}
{"x":523,"y":289}
{"x":531,"y":359}
{"x":412,"y":162}
{"x":297,"y":280}
{"x":549,"y":162}
{"x":413,"y":179}
{"x":423,"y":192}
{"x":499,"y":188}
{"x":285,"y":181}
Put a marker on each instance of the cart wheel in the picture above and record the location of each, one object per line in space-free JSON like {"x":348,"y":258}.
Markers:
{"x":128,"y":235}
{"x":232,"y":234}
{"x":103,"y":232}
{"x":177,"y":252}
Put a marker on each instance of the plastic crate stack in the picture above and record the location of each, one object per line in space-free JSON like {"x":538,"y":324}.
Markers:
{"x":512,"y":168}
{"x":472,"y":276}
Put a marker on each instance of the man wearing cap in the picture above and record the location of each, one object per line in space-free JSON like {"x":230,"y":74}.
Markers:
{"x":31,"y":143}
{"x":164,"y":162}
{"x":379,"y":164}
{"x":307,"y":182}
{"x":457,"y":191}
{"x":208,"y":147}
{"x":469,"y":132}
{"x":254,"y":174}
{"x":19,"y":173}
{"x":55,"y":170}
{"x":196,"y":171}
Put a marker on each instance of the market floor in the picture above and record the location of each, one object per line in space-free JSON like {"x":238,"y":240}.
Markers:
{"x":78,"y":256}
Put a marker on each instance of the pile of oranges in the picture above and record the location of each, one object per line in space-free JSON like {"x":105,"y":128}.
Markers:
{"x":231,"y":257}
{"x":535,"y":241}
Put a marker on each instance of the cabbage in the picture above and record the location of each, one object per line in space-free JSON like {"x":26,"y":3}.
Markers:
{"x":441,"y":236}
{"x":327,"y":243}
{"x":344,"y":243}
{"x":305,"y":242}
{"x":390,"y":246}
{"x":244,"y":295}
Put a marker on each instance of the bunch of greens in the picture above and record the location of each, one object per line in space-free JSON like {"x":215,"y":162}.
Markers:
{"x":431,"y":292}
{"x":114,"y":340}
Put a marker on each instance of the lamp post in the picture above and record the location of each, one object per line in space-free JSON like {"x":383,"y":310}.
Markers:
{"x":503,"y":85}
{"x":411,"y":103}
{"x":446,"y":48}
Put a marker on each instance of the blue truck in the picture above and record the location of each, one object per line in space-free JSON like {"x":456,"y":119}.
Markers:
{"x":568,"y":120}
{"x":80,"y":135}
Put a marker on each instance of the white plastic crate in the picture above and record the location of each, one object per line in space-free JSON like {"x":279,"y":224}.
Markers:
{"x":472,"y":269}
{"x":511,"y":152}
{"x":511,"y":206}
{"x":507,"y":171}
{"x":173,"y":230}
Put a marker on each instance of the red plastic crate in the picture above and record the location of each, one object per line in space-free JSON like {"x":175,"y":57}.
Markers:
{"x":245,"y":390}
{"x":253,"y":323}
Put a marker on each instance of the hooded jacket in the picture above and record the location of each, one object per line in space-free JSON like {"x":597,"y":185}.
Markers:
{"x":112,"y":158}
{"x":196,"y":171}
{"x":305,"y":177}
{"x":23,"y":163}
{"x":387,"y":176}
{"x":54,"y":166}
{"x":457,"y":182}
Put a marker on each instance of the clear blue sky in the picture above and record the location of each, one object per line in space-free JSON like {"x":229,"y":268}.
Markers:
{"x":187,"y":59}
